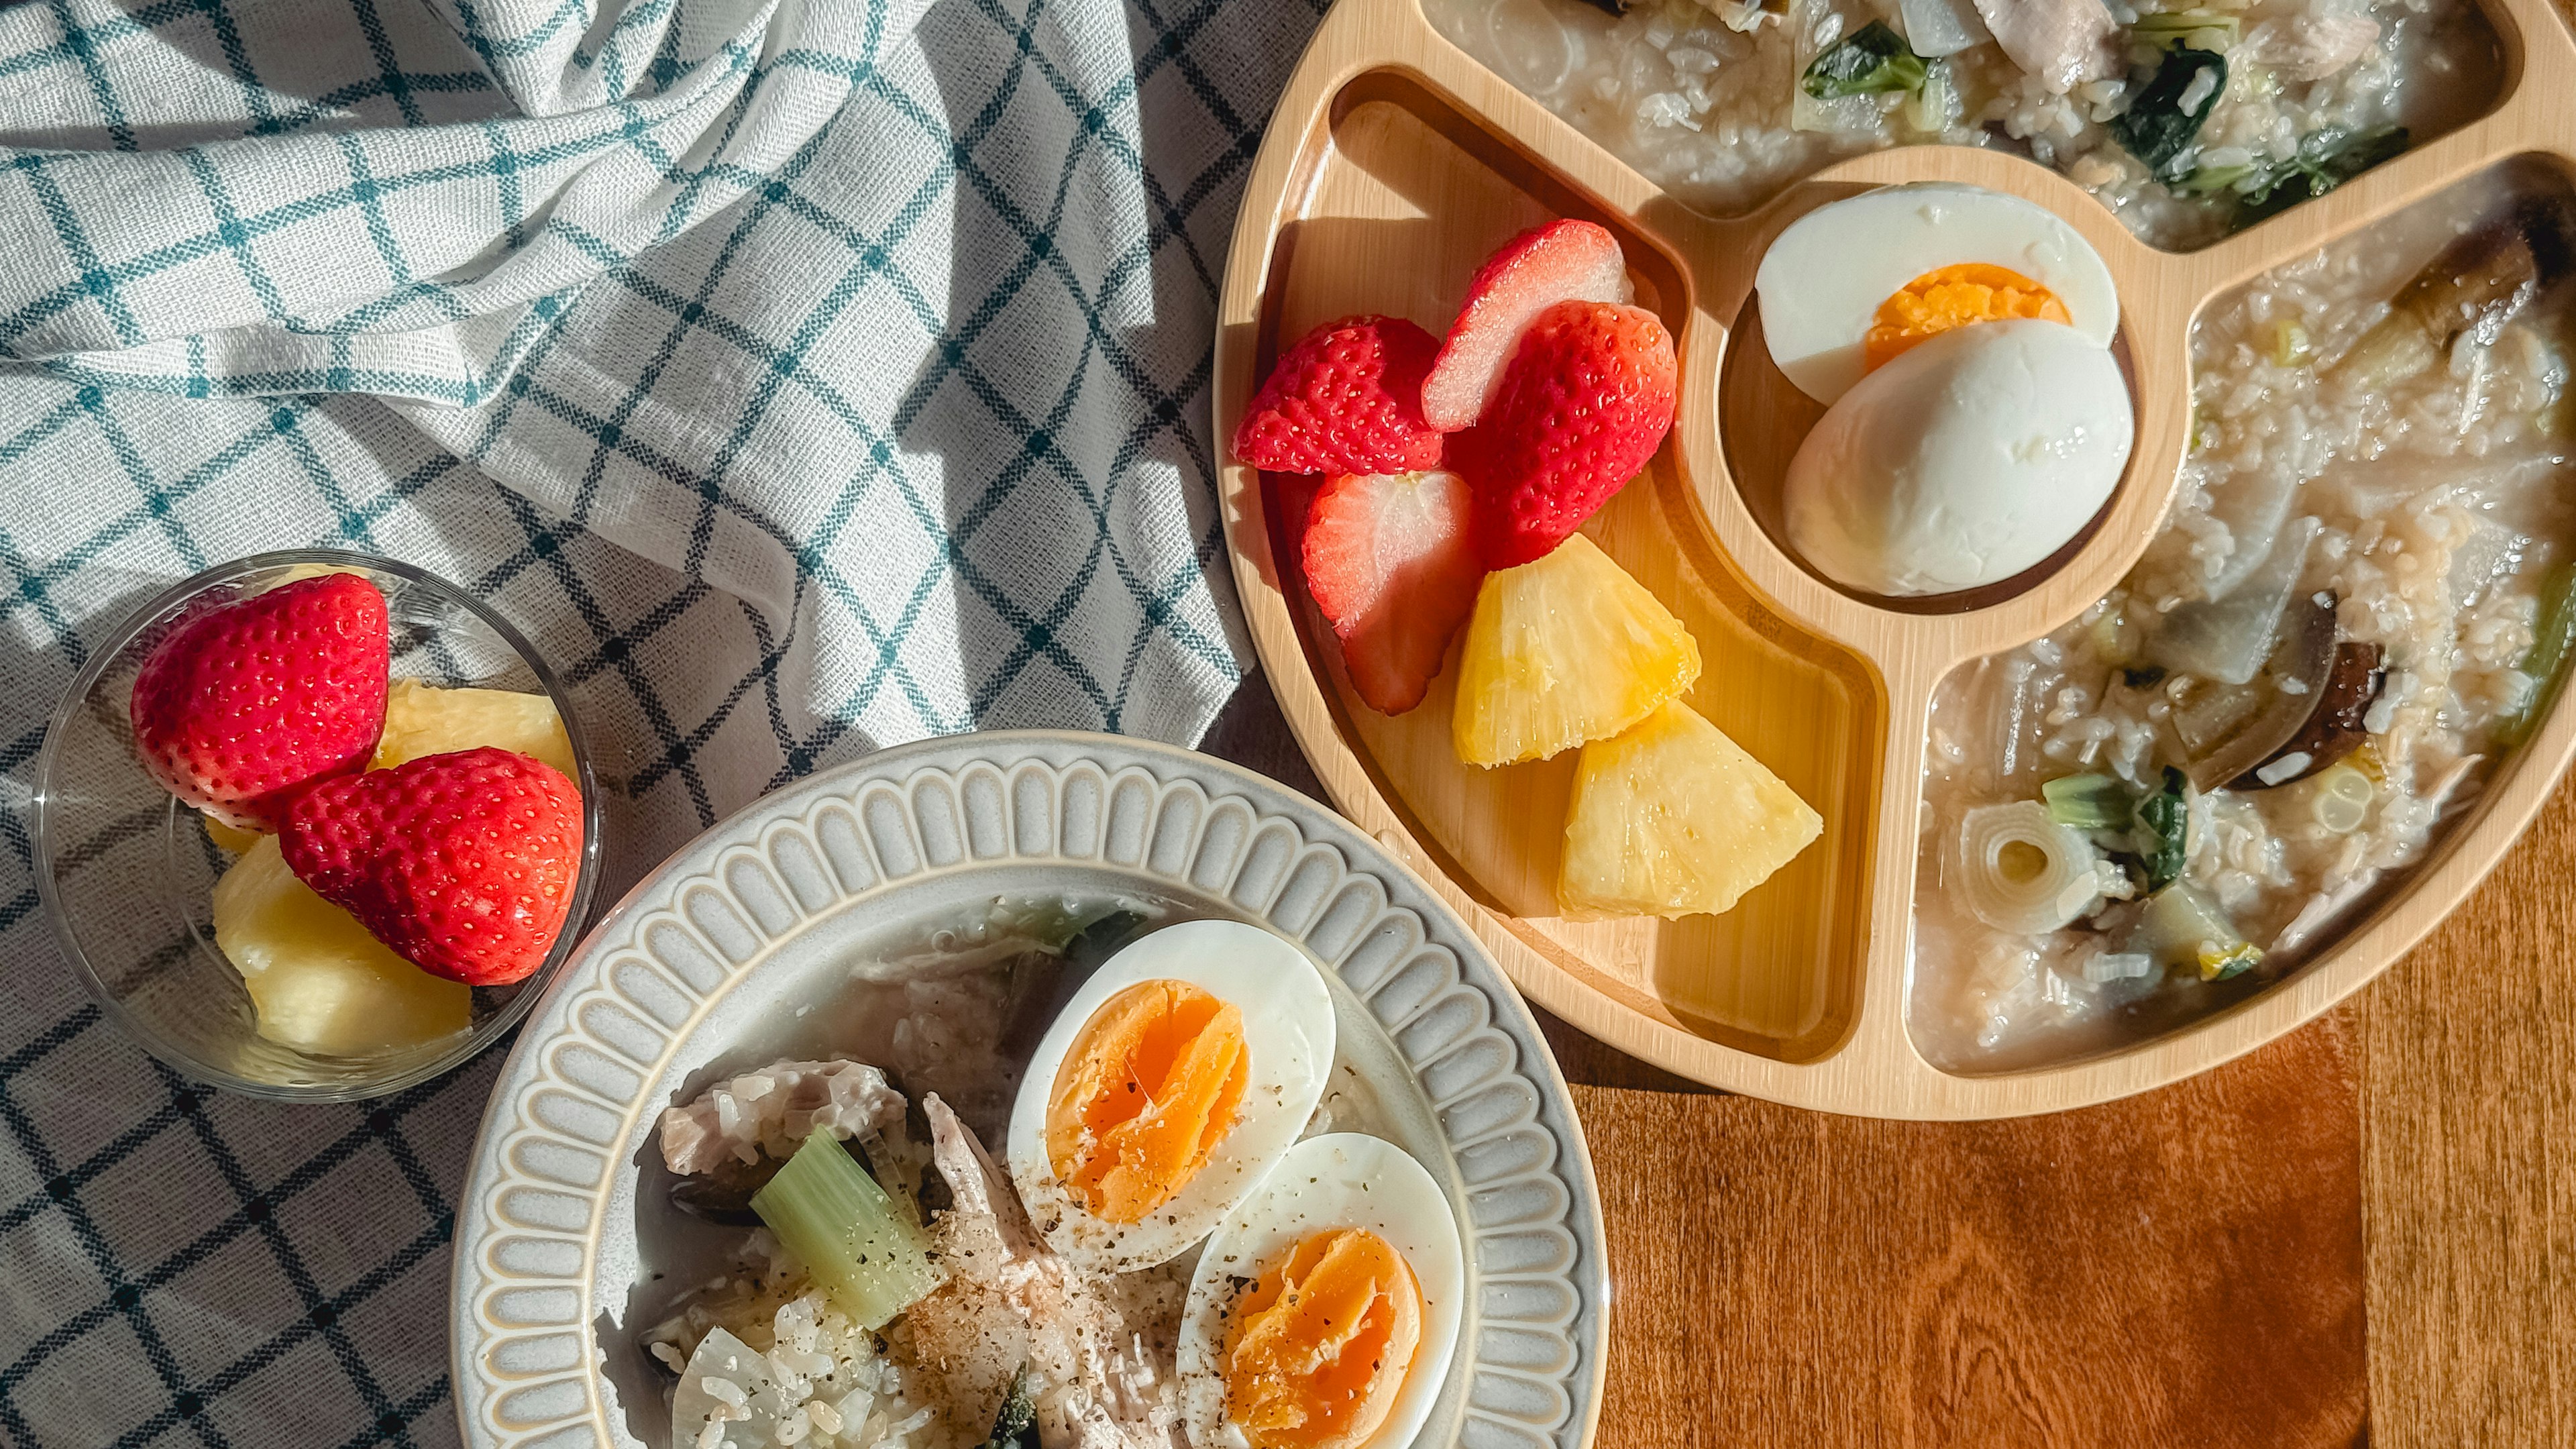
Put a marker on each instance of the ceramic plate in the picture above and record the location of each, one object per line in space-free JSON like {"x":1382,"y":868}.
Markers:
{"x":717,"y":941}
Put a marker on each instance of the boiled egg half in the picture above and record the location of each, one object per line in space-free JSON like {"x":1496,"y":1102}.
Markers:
{"x":1177,"y":1076}
{"x":1852,"y":285}
{"x":1961,"y":463}
{"x":1324,"y":1311}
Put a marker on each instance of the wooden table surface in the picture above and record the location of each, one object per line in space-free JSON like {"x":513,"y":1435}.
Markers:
{"x":2364,"y":1233}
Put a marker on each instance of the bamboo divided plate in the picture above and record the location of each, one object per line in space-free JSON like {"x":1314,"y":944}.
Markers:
{"x":1393,"y":164}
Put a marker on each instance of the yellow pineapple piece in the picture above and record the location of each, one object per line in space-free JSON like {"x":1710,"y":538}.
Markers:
{"x":319,"y":982}
{"x":423,"y":719}
{"x":232,"y":839}
{"x":1563,"y":650}
{"x":1673,"y":819}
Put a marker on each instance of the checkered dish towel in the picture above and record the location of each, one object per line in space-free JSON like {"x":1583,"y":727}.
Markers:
{"x":801,"y":375}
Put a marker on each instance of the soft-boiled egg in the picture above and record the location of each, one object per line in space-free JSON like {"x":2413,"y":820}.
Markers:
{"x":1854,"y":284}
{"x":1325,"y":1309}
{"x":1174,"y":1079}
{"x":1961,"y":463}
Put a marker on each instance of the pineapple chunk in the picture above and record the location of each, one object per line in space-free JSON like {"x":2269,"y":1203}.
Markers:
{"x":1672,"y":819}
{"x":317,"y":980}
{"x":1564,"y":650}
{"x":232,"y":839}
{"x":423,"y":719}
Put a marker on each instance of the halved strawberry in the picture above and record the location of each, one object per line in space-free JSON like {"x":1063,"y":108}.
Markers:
{"x":1586,"y":401}
{"x":1559,"y":262}
{"x":246,"y":702}
{"x":1346,"y":398}
{"x":463,"y":863}
{"x":1392,"y":562}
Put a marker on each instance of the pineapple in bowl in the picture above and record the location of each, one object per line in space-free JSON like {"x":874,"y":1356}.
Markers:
{"x":315,"y":826}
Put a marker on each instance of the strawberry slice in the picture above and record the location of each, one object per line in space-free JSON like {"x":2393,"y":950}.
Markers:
{"x":1392,"y":562}
{"x":463,"y":863}
{"x":1559,"y":262}
{"x":1347,"y":398}
{"x":246,"y":702}
{"x":1586,"y":401}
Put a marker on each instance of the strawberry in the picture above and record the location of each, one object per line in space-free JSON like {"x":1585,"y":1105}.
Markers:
{"x":1586,"y":401}
{"x":1559,"y":262}
{"x":245,"y":702}
{"x":463,"y":863}
{"x":1392,"y":563}
{"x":1347,"y":398}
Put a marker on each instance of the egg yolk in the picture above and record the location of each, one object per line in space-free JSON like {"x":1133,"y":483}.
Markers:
{"x":1949,"y":297}
{"x":1319,"y":1348}
{"x":1149,"y":1088}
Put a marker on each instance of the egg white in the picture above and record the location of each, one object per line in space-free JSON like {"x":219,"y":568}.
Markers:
{"x":1288,"y":1039}
{"x":1961,"y":462}
{"x":1824,"y":277}
{"x":1337,"y":1180}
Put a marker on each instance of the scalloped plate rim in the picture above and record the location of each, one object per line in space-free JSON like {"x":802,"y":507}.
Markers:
{"x":619,"y":935}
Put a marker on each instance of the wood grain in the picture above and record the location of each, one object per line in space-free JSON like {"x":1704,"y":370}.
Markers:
{"x":1392,"y":162}
{"x":2183,"y":1268}
{"x":2469,"y":1173}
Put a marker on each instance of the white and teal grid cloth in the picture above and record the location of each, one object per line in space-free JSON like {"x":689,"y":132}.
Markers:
{"x":802,"y":375}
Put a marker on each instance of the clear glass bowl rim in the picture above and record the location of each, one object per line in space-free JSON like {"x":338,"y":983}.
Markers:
{"x":43,"y":822}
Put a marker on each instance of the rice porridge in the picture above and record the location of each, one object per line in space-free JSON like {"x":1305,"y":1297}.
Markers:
{"x":2188,"y":121}
{"x":2360,"y":599}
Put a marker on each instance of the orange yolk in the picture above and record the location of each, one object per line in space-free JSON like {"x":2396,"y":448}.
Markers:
{"x":1147,"y":1091}
{"x":1319,"y":1348}
{"x":1949,"y":297}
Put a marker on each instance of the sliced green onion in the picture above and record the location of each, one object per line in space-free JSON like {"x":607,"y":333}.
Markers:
{"x":2219,"y":963}
{"x":847,"y":1232}
{"x":2290,"y":342}
{"x":2164,"y":821}
{"x":2200,"y":29}
{"x":2089,"y":802}
{"x":2022,"y":872}
{"x":2340,"y":799}
{"x":2553,"y":639}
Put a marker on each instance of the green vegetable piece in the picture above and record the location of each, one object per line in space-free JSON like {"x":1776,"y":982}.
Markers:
{"x":2553,"y":639}
{"x":2201,"y":29}
{"x":2163,"y":121}
{"x":1016,"y":1426}
{"x":2089,"y":802}
{"x":2224,"y":963}
{"x":2327,"y":159}
{"x":2165,"y":818}
{"x":847,"y":1232}
{"x":1874,"y":60}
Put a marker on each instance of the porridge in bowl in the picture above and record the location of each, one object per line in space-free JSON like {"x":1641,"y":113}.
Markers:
{"x":1191,"y":1226}
{"x":2187,"y":120}
{"x":2364,"y":596}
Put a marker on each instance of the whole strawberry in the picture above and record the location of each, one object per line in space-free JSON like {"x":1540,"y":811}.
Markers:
{"x":1585,"y":402}
{"x":245,"y":703}
{"x":1347,"y":398}
{"x":463,"y":863}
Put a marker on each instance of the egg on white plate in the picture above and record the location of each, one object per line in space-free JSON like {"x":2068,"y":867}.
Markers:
{"x":1962,"y":462}
{"x":1853,"y":284}
{"x":1326,"y":1309}
{"x":1177,"y":1075}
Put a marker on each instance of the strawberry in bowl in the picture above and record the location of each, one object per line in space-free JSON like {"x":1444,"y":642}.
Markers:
{"x":251,"y":716}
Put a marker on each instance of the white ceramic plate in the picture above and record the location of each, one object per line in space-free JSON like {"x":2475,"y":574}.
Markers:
{"x":732,"y":931}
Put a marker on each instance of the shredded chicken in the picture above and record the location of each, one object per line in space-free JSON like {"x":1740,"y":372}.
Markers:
{"x":1100,"y":1388}
{"x":2063,"y":42}
{"x":2310,"y":47}
{"x":775,"y":1108}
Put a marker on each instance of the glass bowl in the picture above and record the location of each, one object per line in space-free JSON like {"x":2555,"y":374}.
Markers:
{"x":127,"y":872}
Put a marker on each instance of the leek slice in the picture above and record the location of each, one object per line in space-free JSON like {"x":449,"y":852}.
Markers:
{"x":847,"y":1232}
{"x":2089,"y":802}
{"x":2022,"y":872}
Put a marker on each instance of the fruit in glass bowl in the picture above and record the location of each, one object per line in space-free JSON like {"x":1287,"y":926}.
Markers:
{"x":179,"y":909}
